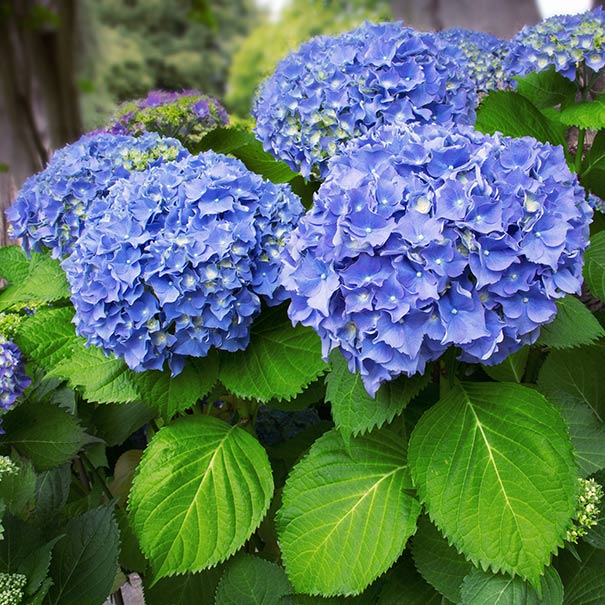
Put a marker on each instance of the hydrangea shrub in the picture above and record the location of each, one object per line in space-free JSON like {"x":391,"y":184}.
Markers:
{"x":336,"y":88}
{"x":425,"y":237}
{"x":50,"y":210}
{"x":176,"y":259}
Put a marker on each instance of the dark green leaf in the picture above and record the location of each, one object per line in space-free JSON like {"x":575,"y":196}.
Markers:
{"x":131,"y":557}
{"x":188,"y":589}
{"x":202,"y":488}
{"x":594,"y":265}
{"x":595,"y":157}
{"x":511,"y":369}
{"x":48,"y":435}
{"x":585,"y":115}
{"x":279,"y":362}
{"x":573,"y":326}
{"x":355,"y":494}
{"x":354,"y":411}
{"x":546,"y":88}
{"x":253,"y":581}
{"x":85,"y":561}
{"x":52,"y":491}
{"x":484,"y":588}
{"x":170,"y":395}
{"x":493,"y":464}
{"x":18,"y":490}
{"x":583,"y":579}
{"x":115,"y":423}
{"x":438,"y":562}
{"x":513,"y":115}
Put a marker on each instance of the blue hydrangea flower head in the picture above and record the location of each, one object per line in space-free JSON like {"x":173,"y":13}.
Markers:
{"x":424,"y":237}
{"x":50,"y":210}
{"x":564,"y":42}
{"x":13,"y":379}
{"x":334,"y":89}
{"x":483,"y":55}
{"x":186,"y":115}
{"x":176,"y":260}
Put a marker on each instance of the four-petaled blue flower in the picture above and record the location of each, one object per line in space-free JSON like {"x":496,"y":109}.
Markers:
{"x":51,"y":208}
{"x":424,"y":237}
{"x":564,"y":42}
{"x":334,"y":89}
{"x":176,"y":259}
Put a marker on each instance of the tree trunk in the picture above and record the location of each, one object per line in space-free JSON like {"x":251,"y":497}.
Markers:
{"x":502,"y":19}
{"x":39,"y":107}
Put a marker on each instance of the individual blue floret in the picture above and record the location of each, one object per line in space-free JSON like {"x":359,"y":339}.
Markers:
{"x":176,"y":259}
{"x":337,"y":88}
{"x":424,"y":237}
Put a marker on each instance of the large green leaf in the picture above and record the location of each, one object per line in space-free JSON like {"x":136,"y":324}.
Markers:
{"x":511,"y":369}
{"x":279,"y":362}
{"x":579,"y":374}
{"x":172,"y":394}
{"x":595,"y":157}
{"x":594,"y":265}
{"x":18,"y":490}
{"x":48,"y":435}
{"x":202,"y":488}
{"x":115,"y":423}
{"x":587,"y":432}
{"x":253,"y":581}
{"x":101,"y":378}
{"x":346,"y":516}
{"x":188,"y":589}
{"x":583,"y":576}
{"x":585,"y":115}
{"x":493,"y":464}
{"x":14,"y":264}
{"x":573,"y":326}
{"x":52,"y":491}
{"x":44,"y":282}
{"x":354,"y":411}
{"x":546,"y":88}
{"x":438,"y":562}
{"x":512,"y":114}
{"x":85,"y":561}
{"x":483,"y":588}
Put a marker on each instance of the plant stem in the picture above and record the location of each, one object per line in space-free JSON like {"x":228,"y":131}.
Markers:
{"x":97,"y":475}
{"x":580,"y":149}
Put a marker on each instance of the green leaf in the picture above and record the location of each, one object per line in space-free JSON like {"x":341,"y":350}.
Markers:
{"x":242,"y":144}
{"x":48,"y":435}
{"x":49,"y":336}
{"x":546,"y":88}
{"x":85,"y":561}
{"x":253,"y":581}
{"x":585,"y":115}
{"x":493,"y":464}
{"x":585,"y":429}
{"x":594,"y":265}
{"x":483,"y":588}
{"x":346,"y":516}
{"x":513,"y":115}
{"x":573,"y":326}
{"x":438,"y":562}
{"x":583,"y":579}
{"x":354,"y":411}
{"x":115,"y":423}
{"x":170,"y":395}
{"x":189,"y":589}
{"x":18,"y":490}
{"x":38,"y":598}
{"x":595,"y":157}
{"x":511,"y":369}
{"x":101,"y":379}
{"x":202,"y":488}
{"x":578,"y":373}
{"x":130,"y":557}
{"x":14,"y":265}
{"x":279,"y":362}
{"x":44,"y":282}
{"x":404,"y":585}
{"x":52,"y":491}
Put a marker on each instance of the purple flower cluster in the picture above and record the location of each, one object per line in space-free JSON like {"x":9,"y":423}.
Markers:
{"x":186,"y":115}
{"x":483,"y":54}
{"x":563,"y":42}
{"x":334,"y":89}
{"x":176,"y":259}
{"x":13,"y":379}
{"x":50,"y":210}
{"x":423,"y":237}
